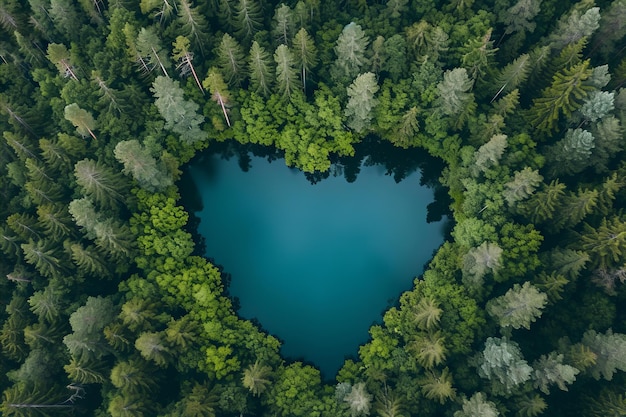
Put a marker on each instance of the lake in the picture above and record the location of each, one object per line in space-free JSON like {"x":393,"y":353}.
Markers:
{"x":316,"y":264}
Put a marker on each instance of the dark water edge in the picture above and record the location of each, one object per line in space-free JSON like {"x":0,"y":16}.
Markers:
{"x":397,"y":163}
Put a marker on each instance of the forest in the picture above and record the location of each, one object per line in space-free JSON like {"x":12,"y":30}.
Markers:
{"x":109,"y":307}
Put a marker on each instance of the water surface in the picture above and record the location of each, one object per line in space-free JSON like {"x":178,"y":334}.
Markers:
{"x":316,"y":264}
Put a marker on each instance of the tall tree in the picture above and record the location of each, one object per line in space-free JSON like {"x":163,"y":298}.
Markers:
{"x":248,"y":18}
{"x":184,"y":56}
{"x":550,"y":370}
{"x":192,"y":23}
{"x":150,"y":49}
{"x":361,"y":102}
{"x":219,"y":91}
{"x":520,"y":306}
{"x":477,"y":405}
{"x":350,"y":51}
{"x":359,"y":400}
{"x":283,"y":24}
{"x":503,"y":364}
{"x":100,"y":182}
{"x":231,"y":60}
{"x":256,"y":378}
{"x":59,"y":55}
{"x":287,"y":81}
{"x":143,"y":167}
{"x":304,"y":53}
{"x":81,"y":118}
{"x":610,"y":351}
{"x":259,"y":64}
{"x":454,"y":96}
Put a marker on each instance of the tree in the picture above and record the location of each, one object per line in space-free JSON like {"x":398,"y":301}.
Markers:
{"x":426,"y":313}
{"x":478,"y":55}
{"x":88,"y":372}
{"x":86,"y":342}
{"x":143,"y":167}
{"x":489,"y":154}
{"x":184,"y":56}
{"x":231,"y":60}
{"x":256,"y":378}
{"x":605,"y":244}
{"x":151,"y":51}
{"x":115,"y":238}
{"x":34,"y":399}
{"x":610,"y":351}
{"x":350,"y":51}
{"x":520,"y":306}
{"x":550,"y":370}
{"x":477,"y":406}
{"x":479,"y":261}
{"x":248,"y":18}
{"x":59,"y":55}
{"x":575,"y":26}
{"x":361,"y":102}
{"x":513,"y":74}
{"x":429,"y":349}
{"x":88,"y":260}
{"x":519,"y":17}
{"x":597,"y":105}
{"x":522,"y":186}
{"x":531,"y":405}
{"x":359,"y":400}
{"x":219,"y":91}
{"x":43,"y":256}
{"x":47,"y":304}
{"x":124,"y":405}
{"x":132,"y":377}
{"x":607,"y":140}
{"x":81,"y":118}
{"x":454,"y":97}
{"x":542,"y":205}
{"x":260,"y":69}
{"x":100,"y":182}
{"x":54,"y":219}
{"x":84,"y":214}
{"x":287,"y":81}
{"x":562,"y":97}
{"x":304,"y":54}
{"x":152,"y":346}
{"x":283,"y":24}
{"x":437,"y":386}
{"x":181,"y":116}
{"x":192,"y":23}
{"x":502,"y":363}
{"x":571,"y":154}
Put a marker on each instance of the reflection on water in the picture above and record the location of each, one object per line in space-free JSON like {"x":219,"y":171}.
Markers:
{"x":315,"y":264}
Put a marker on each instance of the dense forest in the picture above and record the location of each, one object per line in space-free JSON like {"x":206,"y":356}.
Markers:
{"x":110,"y":308}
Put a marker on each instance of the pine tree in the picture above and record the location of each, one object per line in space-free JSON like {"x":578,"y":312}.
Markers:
{"x":88,"y":372}
{"x":184,"y":56}
{"x":519,"y":17}
{"x":231,"y":60}
{"x":605,"y":244}
{"x":479,"y":261}
{"x":60,"y":56}
{"x":100,"y":182}
{"x":610,"y":351}
{"x":542,"y":205}
{"x":522,"y":186}
{"x":283,"y":24}
{"x":47,"y":304}
{"x":142,"y":166}
{"x":287,"y":82}
{"x":571,"y":154}
{"x":502,"y":363}
{"x":550,"y":370}
{"x":88,"y":260}
{"x":478,"y":56}
{"x":350,"y":50}
{"x":152,"y":347}
{"x":44,"y":257}
{"x":562,"y":97}
{"x":489,"y":154}
{"x":477,"y":405}
{"x":575,"y":26}
{"x":454,"y":97}
{"x":81,"y":118}
{"x":426,"y":314}
{"x":361,"y":102}
{"x":530,"y":405}
{"x":151,"y":52}
{"x":259,"y":64}
{"x":248,"y":18}
{"x":568,"y":262}
{"x":304,"y":54}
{"x":520,"y":306}
{"x":219,"y":91}
{"x":512,"y":75}
{"x":192,"y":23}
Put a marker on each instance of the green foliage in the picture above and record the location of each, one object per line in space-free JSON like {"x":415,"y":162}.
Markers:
{"x":610,"y":353}
{"x":287,"y":82}
{"x":502,"y":363}
{"x":350,"y":52}
{"x":256,"y":378}
{"x":82,"y":119}
{"x":550,"y":370}
{"x":143,"y":167}
{"x":520,"y":306}
{"x":477,"y":405}
{"x":361,"y":102}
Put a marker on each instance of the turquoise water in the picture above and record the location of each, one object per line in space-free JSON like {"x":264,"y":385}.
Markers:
{"x":316,"y":264}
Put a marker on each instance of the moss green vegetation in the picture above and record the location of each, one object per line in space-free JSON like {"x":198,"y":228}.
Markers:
{"x":108,"y":310}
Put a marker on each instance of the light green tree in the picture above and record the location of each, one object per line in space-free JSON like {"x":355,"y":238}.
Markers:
{"x":503,"y":364}
{"x":81,"y":118}
{"x":256,"y":378}
{"x":287,"y":81}
{"x":477,"y":406}
{"x":520,"y":306}
{"x":259,"y":64}
{"x":350,"y":50}
{"x":361,"y":102}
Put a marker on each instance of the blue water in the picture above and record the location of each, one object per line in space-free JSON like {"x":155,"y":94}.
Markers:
{"x":316,"y":264}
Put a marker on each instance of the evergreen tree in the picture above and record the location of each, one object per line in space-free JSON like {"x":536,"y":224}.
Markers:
{"x":192,"y":23}
{"x":231,"y":60}
{"x":184,"y":56}
{"x":550,"y":370}
{"x":100,"y":182}
{"x":522,"y":186}
{"x":479,"y":261}
{"x":575,"y":26}
{"x":610,"y":351}
{"x":287,"y":81}
{"x":151,"y":52}
{"x":219,"y":91}
{"x":283,"y":24}
{"x":304,"y":54}
{"x":571,"y":154}
{"x":437,"y":386}
{"x":477,"y":406}
{"x":429,"y":349}
{"x":143,"y":167}
{"x":454,"y":97}
{"x":520,"y":306}
{"x":502,"y":363}
{"x":60,"y":56}
{"x":260,"y":69}
{"x":248,"y":18}
{"x":361,"y":102}
{"x":152,"y":347}
{"x":350,"y":52}
{"x":81,"y":118}
{"x":359,"y":400}
{"x":256,"y":378}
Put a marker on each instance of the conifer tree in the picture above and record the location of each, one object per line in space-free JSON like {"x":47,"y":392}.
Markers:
{"x":150,"y":49}
{"x":81,"y":118}
{"x":219,"y":91}
{"x":59,"y":55}
{"x":350,"y":52}
{"x":287,"y":82}
{"x":477,"y":405}
{"x":259,"y":64}
{"x":454,"y":96}
{"x":562,"y":97}
{"x":361,"y":102}
{"x":192,"y":23}
{"x":256,"y":378}
{"x":231,"y":60}
{"x":184,"y":56}
{"x":283,"y":24}
{"x":248,"y":18}
{"x":502,"y":363}
{"x":437,"y":386}
{"x":520,"y":306}
{"x":304,"y":54}
{"x":100,"y":182}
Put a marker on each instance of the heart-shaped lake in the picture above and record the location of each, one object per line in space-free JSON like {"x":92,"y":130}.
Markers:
{"x":316,"y":264}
